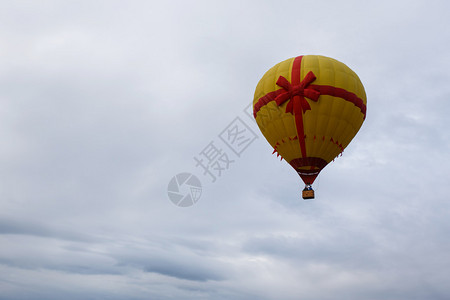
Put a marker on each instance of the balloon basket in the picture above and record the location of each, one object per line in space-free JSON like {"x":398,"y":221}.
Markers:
{"x":308,"y":192}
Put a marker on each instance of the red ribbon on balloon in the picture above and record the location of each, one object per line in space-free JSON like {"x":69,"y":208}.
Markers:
{"x":297,"y":94}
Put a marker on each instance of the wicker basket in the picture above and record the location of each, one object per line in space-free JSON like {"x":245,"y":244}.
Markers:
{"x":308,"y":194}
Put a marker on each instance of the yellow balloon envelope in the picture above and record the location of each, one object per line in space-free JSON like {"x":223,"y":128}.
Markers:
{"x":309,"y":108}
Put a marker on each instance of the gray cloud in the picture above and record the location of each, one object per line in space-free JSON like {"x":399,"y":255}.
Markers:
{"x":104,"y":102}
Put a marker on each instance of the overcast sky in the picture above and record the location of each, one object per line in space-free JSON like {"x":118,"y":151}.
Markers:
{"x":103,"y":103}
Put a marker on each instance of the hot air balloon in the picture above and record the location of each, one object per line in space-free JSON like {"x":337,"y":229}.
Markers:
{"x":309,"y":108}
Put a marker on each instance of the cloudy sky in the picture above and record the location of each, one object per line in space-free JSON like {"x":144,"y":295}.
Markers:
{"x":104,"y":102}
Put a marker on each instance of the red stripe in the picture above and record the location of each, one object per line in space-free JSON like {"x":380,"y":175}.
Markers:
{"x":265,"y":100}
{"x":295,"y":80}
{"x":300,"y":132}
{"x":295,"y":73}
{"x":340,"y":93}
{"x":323,"y":90}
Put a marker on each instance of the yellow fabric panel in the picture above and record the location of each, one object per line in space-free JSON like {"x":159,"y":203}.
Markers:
{"x":268,"y":81}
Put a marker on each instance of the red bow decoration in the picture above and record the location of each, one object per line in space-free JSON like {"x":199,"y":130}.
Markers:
{"x":297,"y":93}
